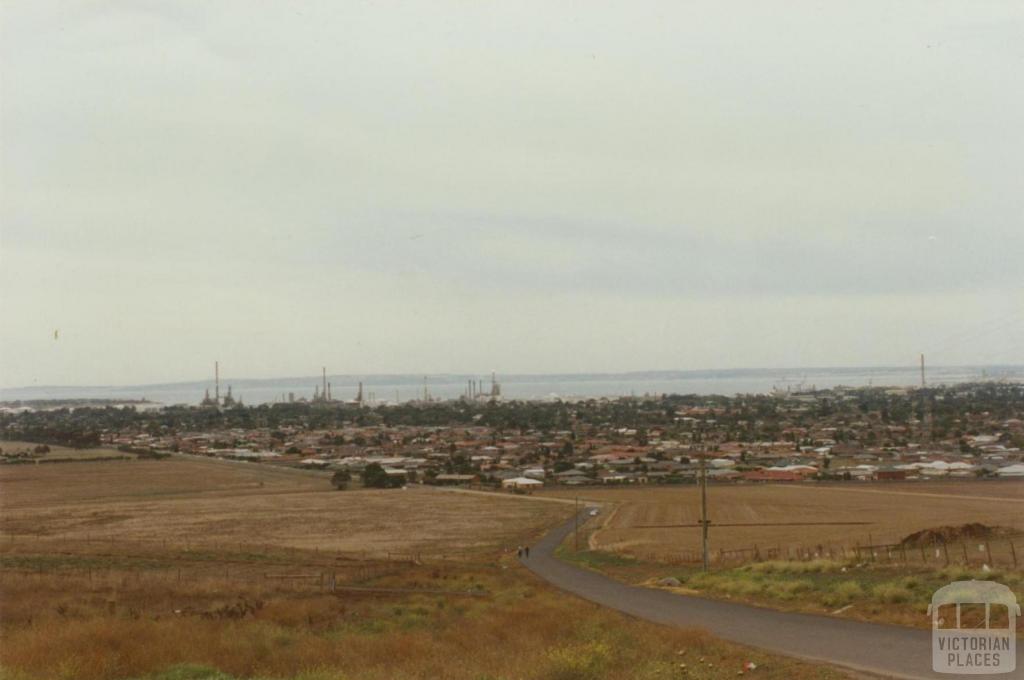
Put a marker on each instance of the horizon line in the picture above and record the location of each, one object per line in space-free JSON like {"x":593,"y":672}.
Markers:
{"x":640,"y":372}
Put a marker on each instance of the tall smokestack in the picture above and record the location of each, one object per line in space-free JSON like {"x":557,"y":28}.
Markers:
{"x":922,"y":370}
{"x":324,"y":390}
{"x":216,"y":381}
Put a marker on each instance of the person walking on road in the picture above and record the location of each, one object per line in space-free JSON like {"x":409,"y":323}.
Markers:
{"x":527,"y":549}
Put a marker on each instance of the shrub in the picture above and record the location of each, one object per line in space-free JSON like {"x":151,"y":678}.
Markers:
{"x":702,"y":581}
{"x":793,"y":567}
{"x":991,"y":575}
{"x":843,"y":593}
{"x":743,"y":587}
{"x":787,"y":590}
{"x":190,"y":671}
{"x":891,"y":593}
{"x":956,"y":573}
{"x":849,"y":590}
{"x":320,"y":674}
{"x":911,"y":583}
{"x":578,"y":662}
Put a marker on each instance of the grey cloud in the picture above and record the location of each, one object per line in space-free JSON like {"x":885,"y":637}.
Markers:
{"x":517,"y":167}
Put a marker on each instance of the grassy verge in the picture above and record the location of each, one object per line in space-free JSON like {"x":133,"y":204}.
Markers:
{"x":867,"y":592}
{"x":595,"y":559}
{"x":495,"y":621}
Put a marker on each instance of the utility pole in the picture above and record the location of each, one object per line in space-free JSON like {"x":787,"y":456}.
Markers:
{"x":704,"y":510}
{"x":576,"y":538}
{"x":926,"y":408}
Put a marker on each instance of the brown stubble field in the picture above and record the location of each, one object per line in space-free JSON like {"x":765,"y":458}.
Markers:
{"x":891,"y":510}
{"x":63,"y":453}
{"x":222,"y":504}
{"x":185,"y":569}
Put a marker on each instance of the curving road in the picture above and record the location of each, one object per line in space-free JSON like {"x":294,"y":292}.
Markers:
{"x":891,"y":651}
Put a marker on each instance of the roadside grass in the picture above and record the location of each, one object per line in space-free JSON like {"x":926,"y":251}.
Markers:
{"x":867,"y":592}
{"x":822,"y":586}
{"x":497,"y":622}
{"x":594,"y":559}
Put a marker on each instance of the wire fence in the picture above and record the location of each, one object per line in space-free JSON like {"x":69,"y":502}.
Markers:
{"x":1003,"y":553}
{"x":199,"y":549}
{"x":91,"y":562}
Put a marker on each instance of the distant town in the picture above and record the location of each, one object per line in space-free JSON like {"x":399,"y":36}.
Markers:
{"x":972,"y":430}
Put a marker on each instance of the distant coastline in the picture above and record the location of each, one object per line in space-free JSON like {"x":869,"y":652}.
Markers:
{"x":387,"y":388}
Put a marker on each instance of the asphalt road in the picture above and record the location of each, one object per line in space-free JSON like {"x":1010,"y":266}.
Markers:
{"x":890,"y":651}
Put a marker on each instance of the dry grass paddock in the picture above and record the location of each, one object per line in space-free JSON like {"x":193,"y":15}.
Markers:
{"x":213,"y":504}
{"x":426,"y":621}
{"x":185,"y":569}
{"x":891,"y":512}
{"x":61,"y":453}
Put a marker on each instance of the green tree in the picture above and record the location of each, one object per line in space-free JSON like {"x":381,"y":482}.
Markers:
{"x":374,"y":476}
{"x":341,"y":479}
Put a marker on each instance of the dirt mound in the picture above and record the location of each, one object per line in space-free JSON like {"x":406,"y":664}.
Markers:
{"x":951,"y":534}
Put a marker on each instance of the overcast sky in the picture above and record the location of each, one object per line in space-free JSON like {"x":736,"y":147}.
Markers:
{"x":529,"y":187}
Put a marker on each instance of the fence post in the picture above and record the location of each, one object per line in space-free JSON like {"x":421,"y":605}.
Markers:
{"x":1013,"y":552}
